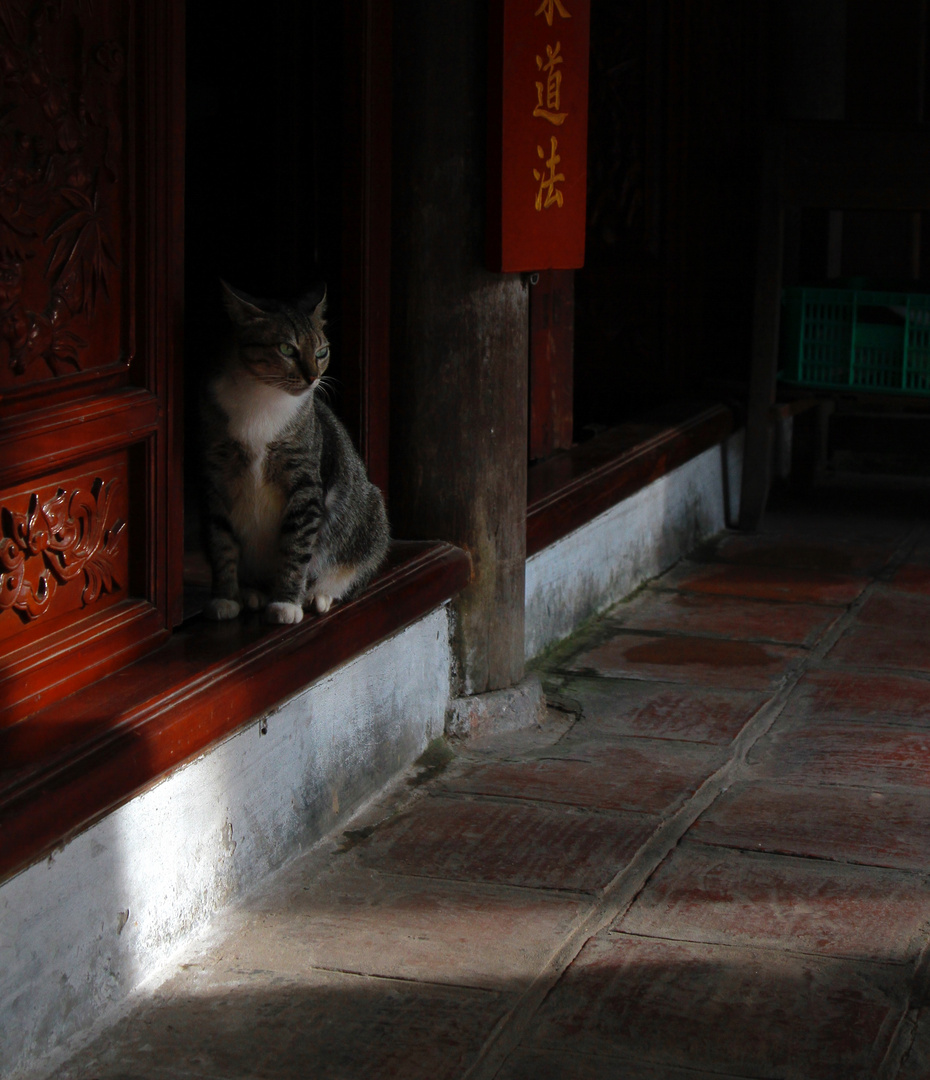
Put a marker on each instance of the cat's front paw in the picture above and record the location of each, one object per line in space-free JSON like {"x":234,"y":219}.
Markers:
{"x":219,"y":609}
{"x":283,"y":612}
{"x":322,"y":603}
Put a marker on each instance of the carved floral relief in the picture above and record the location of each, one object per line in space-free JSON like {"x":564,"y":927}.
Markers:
{"x":61,"y":154}
{"x":56,"y":541}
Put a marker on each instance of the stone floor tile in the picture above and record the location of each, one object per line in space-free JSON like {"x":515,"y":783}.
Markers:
{"x":570,"y":1065}
{"x":834,"y":752}
{"x":728,"y":617}
{"x":849,"y":824}
{"x":791,"y":552}
{"x":742,"y":1011}
{"x":766,"y":583}
{"x":554,"y":725}
{"x":650,"y":710}
{"x":901,"y":648}
{"x":730,"y":897}
{"x":737,"y":665}
{"x":506,"y":843}
{"x":913,"y":578}
{"x":355,"y":920}
{"x":651,"y":775}
{"x":888,"y":607}
{"x":873,"y":698}
{"x":118,"y":1072}
{"x":323,"y":1025}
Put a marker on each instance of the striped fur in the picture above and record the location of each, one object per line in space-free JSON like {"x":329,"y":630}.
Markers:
{"x":291,"y":519}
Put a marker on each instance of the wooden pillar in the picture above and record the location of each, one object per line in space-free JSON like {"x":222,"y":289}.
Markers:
{"x":459,"y":336}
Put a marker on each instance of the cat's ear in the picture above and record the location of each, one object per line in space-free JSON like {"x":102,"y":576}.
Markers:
{"x":314,"y":305}
{"x":242,"y":308}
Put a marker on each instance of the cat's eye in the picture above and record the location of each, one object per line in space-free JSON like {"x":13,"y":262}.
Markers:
{"x":321,"y":354}
{"x":286,"y":349}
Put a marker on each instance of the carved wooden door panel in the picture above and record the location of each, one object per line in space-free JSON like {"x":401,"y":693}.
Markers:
{"x":90,"y":284}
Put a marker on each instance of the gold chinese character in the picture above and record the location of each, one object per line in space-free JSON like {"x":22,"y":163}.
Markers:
{"x":552,"y":88}
{"x":550,"y":7}
{"x":548,"y":192}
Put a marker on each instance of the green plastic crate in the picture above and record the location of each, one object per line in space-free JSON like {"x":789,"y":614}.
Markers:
{"x":856,"y":339}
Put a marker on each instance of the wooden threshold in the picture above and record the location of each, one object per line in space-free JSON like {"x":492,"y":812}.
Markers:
{"x":68,"y":765}
{"x":571,"y":488}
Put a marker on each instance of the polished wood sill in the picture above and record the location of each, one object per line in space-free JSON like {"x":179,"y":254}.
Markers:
{"x":71,"y":763}
{"x":572,"y":487}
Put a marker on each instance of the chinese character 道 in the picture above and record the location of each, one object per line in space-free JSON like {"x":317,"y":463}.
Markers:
{"x":552,"y":90}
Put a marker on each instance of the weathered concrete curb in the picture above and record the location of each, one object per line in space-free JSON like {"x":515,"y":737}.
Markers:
{"x":481,"y":715}
{"x":593,"y":567}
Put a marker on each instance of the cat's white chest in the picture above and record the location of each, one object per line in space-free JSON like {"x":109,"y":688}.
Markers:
{"x":257,"y":415}
{"x":257,"y":512}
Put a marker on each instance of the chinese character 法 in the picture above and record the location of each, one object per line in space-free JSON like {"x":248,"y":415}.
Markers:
{"x":548,"y":193}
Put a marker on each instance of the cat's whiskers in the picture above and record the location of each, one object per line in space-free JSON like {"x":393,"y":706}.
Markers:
{"x":325,"y":386}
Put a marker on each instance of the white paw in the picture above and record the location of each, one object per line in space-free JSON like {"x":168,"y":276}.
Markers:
{"x":220,"y":609}
{"x":281,"y":611}
{"x":322,"y":603}
{"x":253,"y":599}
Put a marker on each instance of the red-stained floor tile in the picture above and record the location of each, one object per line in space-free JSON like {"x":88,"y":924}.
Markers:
{"x":834,"y":557}
{"x":735,"y":1010}
{"x":913,"y":578}
{"x":897,"y":648}
{"x":897,"y":609}
{"x":651,"y":775}
{"x":739,"y":665}
{"x":502,"y":843}
{"x":634,"y":707}
{"x":891,"y":630}
{"x":775,"y":901}
{"x":766,"y":583}
{"x":873,"y":698}
{"x":728,"y":617}
{"x":849,"y":824}
{"x":850,"y":754}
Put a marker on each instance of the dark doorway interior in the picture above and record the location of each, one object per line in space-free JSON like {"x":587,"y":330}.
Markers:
{"x":263,"y":169}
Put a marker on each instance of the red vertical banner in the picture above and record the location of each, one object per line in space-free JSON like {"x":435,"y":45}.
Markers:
{"x":538,"y":134}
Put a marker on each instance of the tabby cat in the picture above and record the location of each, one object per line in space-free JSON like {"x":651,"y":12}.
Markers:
{"x":291,"y":518}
